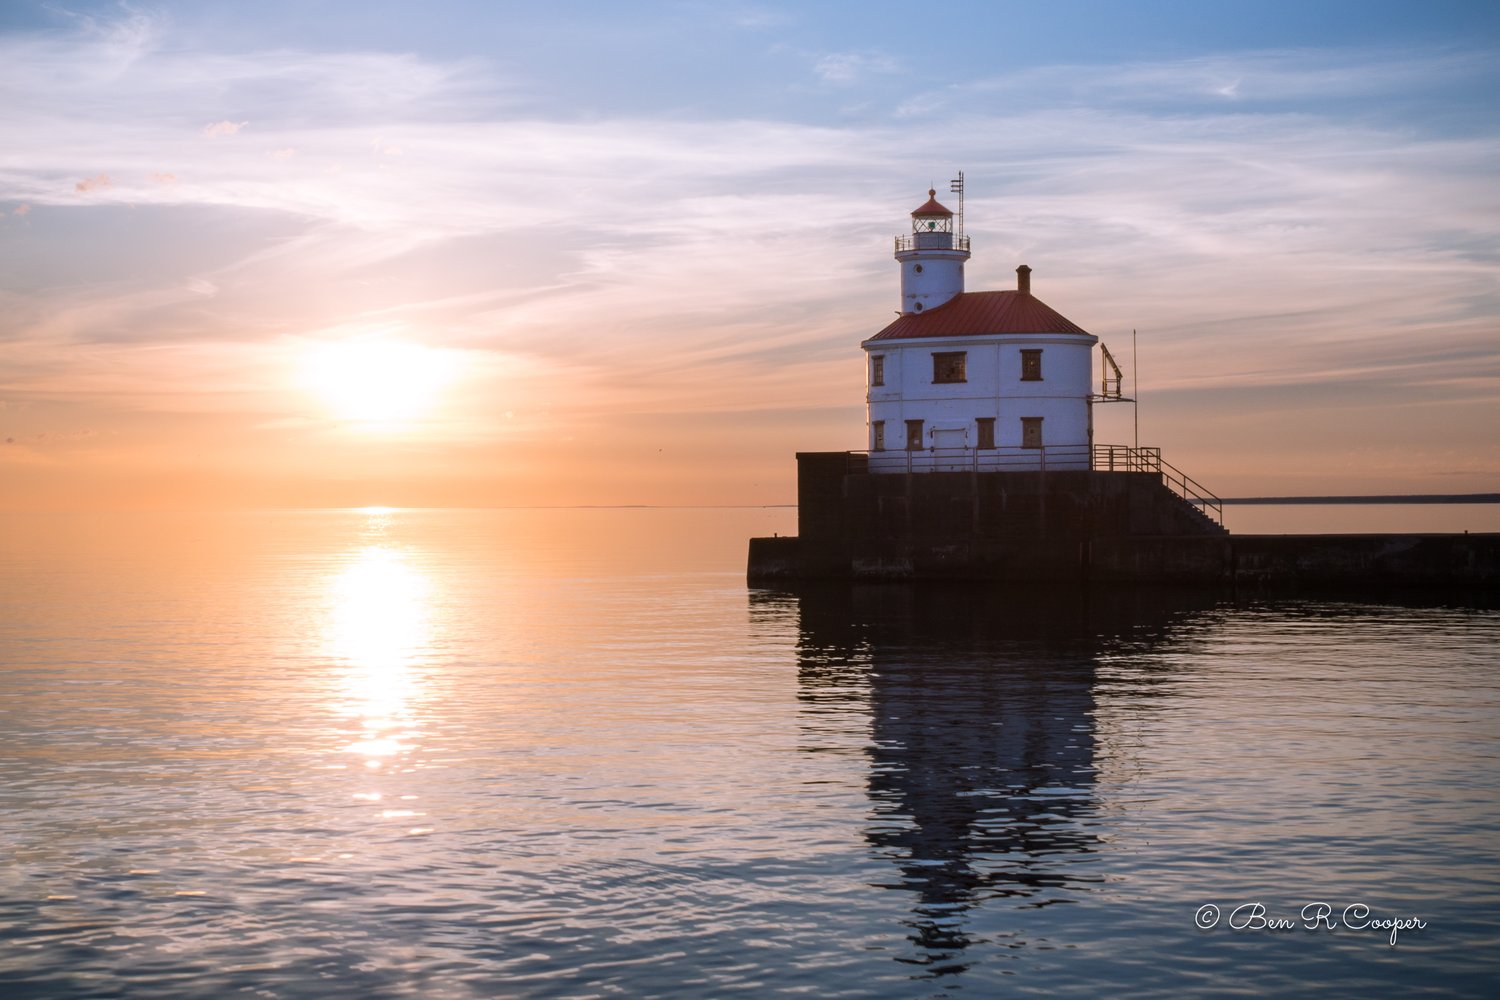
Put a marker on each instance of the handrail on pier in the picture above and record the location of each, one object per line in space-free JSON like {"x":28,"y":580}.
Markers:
{"x":1126,"y":458}
{"x":1099,"y":458}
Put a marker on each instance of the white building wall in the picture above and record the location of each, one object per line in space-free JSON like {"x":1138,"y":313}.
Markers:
{"x":993,"y":388}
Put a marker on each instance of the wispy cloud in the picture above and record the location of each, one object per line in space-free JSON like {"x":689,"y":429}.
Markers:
{"x":758,"y":16}
{"x":1303,"y":77}
{"x":846,"y":69}
{"x":684,"y":264}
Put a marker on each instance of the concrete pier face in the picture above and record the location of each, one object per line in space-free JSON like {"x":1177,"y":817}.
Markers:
{"x":1073,"y":526}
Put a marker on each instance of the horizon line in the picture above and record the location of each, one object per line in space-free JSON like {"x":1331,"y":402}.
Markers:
{"x":1395,"y":499}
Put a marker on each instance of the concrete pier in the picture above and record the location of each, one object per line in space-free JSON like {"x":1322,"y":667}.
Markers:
{"x":1075,"y":526}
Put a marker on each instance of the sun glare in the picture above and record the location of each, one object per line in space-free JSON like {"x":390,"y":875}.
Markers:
{"x":378,"y":384}
{"x":378,"y":628}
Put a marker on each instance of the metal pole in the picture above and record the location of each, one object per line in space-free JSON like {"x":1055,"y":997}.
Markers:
{"x":1135,"y":377}
{"x":957,"y":187}
{"x":1042,"y":493}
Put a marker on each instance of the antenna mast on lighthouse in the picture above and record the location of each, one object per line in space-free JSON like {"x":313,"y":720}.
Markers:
{"x":957,"y":187}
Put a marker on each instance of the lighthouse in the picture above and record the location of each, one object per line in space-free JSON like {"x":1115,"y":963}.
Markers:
{"x":980,"y":462}
{"x":932,"y":258}
{"x":983,"y":381}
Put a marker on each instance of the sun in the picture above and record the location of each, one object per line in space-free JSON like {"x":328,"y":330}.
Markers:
{"x":378,"y":383}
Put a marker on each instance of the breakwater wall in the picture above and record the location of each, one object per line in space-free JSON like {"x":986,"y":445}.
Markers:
{"x":1346,"y":561}
{"x":1076,"y":526}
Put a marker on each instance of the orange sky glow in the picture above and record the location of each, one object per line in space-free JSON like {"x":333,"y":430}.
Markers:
{"x":461,"y":293}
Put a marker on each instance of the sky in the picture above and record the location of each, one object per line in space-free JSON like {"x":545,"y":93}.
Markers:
{"x":483,"y":254}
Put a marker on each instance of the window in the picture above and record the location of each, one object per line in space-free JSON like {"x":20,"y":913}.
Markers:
{"x":1031,"y":366}
{"x":914,"y":435}
{"x":877,"y":369}
{"x":986,"y":427}
{"x":1031,"y":432}
{"x":877,"y":436}
{"x":949,"y":366}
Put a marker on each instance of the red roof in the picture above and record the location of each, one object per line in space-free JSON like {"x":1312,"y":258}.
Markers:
{"x":932,"y":207}
{"x":977,"y":313}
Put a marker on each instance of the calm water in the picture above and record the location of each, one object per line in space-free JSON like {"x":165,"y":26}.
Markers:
{"x":567,"y":753}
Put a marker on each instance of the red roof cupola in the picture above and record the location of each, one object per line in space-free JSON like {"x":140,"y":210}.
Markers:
{"x":932,"y":209}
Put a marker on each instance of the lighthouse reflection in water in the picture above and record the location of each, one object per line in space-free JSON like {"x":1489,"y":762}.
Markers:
{"x":982,"y":767}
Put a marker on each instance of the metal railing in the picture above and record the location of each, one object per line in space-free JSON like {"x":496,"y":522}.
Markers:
{"x":931,"y":241}
{"x":1124,"y":458}
{"x":1059,"y":458}
{"x":1011,"y":459}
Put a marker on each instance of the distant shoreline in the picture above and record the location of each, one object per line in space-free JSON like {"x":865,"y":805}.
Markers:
{"x":1397,"y":498}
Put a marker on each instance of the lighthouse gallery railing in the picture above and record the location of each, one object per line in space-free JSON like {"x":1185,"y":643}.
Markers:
{"x":932,"y":241}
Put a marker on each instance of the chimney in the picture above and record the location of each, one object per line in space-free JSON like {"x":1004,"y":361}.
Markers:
{"x":1023,"y":280}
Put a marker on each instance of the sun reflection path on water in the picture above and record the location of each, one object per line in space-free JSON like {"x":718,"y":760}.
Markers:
{"x":379,"y":629}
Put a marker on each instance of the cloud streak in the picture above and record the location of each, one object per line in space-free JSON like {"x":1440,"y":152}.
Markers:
{"x":219,"y":129}
{"x":688,"y":264}
{"x":846,"y":69}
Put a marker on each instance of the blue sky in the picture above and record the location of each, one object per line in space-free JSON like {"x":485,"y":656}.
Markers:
{"x":649,"y":238}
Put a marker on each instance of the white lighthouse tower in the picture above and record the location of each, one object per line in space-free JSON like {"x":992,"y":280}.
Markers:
{"x":932,"y":258}
{"x":983,"y":381}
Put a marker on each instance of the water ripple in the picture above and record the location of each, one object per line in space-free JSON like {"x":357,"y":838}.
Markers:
{"x":488,"y":753}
